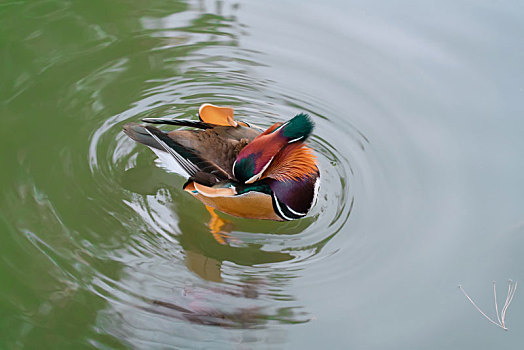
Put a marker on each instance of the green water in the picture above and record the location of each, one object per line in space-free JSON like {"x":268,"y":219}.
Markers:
{"x":419,"y":135}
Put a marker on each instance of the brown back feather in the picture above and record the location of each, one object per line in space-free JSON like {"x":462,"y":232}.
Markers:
{"x":211,"y":146}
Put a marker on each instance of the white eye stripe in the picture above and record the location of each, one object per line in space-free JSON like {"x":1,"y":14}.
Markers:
{"x":297,"y":139}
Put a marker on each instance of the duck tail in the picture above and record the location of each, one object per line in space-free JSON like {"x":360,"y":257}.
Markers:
{"x":139,"y":133}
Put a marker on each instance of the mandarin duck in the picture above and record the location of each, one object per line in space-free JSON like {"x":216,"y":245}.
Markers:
{"x":237,"y":168}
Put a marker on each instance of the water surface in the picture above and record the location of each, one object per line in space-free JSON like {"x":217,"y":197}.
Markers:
{"x":418,"y":111}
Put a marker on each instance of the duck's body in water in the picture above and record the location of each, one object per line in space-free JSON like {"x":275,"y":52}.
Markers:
{"x":236,"y":168}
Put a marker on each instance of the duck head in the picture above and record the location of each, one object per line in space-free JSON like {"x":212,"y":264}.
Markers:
{"x":254,"y":160}
{"x":279,"y":159}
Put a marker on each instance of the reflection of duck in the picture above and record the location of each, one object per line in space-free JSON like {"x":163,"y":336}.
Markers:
{"x":200,"y":306}
{"x":236,"y":168}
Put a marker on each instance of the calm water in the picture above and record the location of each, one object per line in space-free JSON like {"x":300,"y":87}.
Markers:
{"x":420,"y":121}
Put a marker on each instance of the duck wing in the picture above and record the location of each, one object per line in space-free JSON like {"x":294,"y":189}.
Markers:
{"x":207,"y":153}
{"x":186,"y":147}
{"x":213,"y":147}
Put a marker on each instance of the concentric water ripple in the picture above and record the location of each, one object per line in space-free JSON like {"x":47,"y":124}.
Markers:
{"x":259,"y":251}
{"x":418,"y":132}
{"x":166,"y":264}
{"x":160,"y":263}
